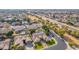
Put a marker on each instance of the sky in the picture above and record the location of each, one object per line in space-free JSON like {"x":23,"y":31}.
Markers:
{"x":39,"y":4}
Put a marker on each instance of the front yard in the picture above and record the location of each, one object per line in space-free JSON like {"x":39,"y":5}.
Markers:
{"x":50,"y":42}
{"x":38,"y":45}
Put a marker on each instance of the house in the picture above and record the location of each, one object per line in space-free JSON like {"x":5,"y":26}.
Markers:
{"x":28,"y":38}
{"x":18,"y":27}
{"x":8,"y":18}
{"x":38,"y":36}
{"x":29,"y":42}
{"x":34,"y":26}
{"x":24,"y":22}
{"x":16,"y":23}
{"x":4,"y":30}
{"x":19,"y":40}
{"x":1,"y":25}
{"x":22,"y":32}
{"x":4,"y":25}
{"x":4,"y":45}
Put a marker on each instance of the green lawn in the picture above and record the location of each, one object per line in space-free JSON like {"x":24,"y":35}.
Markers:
{"x":50,"y":42}
{"x":38,"y":45}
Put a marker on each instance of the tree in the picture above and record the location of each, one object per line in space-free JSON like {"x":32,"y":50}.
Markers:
{"x":9,"y":34}
{"x":61,"y":32}
{"x":32,"y":31}
{"x":2,"y":20}
{"x":46,"y":29}
{"x":28,"y":20}
{"x":38,"y":45}
{"x":24,"y":19}
{"x":50,"y":42}
{"x":75,"y":33}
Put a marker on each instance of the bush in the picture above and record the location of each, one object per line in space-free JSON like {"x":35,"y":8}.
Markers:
{"x":50,"y":42}
{"x":46,"y":29}
{"x":61,"y":32}
{"x":38,"y":45}
{"x":74,"y":33}
{"x":32,"y":31}
{"x":9,"y":34}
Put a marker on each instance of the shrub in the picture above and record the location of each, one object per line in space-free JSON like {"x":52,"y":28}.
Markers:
{"x":50,"y":42}
{"x":38,"y":45}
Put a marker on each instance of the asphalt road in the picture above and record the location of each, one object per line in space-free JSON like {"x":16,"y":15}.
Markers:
{"x":61,"y":45}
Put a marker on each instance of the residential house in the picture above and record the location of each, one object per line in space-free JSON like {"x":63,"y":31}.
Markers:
{"x":4,"y":45}
{"x":34,"y":26}
{"x":38,"y":36}
{"x":18,"y":27}
{"x":18,"y":40}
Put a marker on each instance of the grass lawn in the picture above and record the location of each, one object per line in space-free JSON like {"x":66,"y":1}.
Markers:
{"x":38,"y":45}
{"x":50,"y":42}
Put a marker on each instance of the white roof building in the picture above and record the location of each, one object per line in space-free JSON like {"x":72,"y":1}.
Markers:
{"x":34,"y":26}
{"x":18,"y":27}
{"x":19,"y":39}
{"x":5,"y":44}
{"x":38,"y":36}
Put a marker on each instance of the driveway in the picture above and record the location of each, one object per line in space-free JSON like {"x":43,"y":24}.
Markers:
{"x":61,"y":45}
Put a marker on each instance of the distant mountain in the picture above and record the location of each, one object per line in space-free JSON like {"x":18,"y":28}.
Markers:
{"x":12,"y":10}
{"x":40,"y":10}
{"x":56,"y":10}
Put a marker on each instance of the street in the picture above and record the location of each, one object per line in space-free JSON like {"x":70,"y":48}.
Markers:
{"x":61,"y":45}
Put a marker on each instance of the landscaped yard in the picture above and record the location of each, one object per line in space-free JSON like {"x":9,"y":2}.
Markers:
{"x":38,"y":45}
{"x":51,"y":42}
